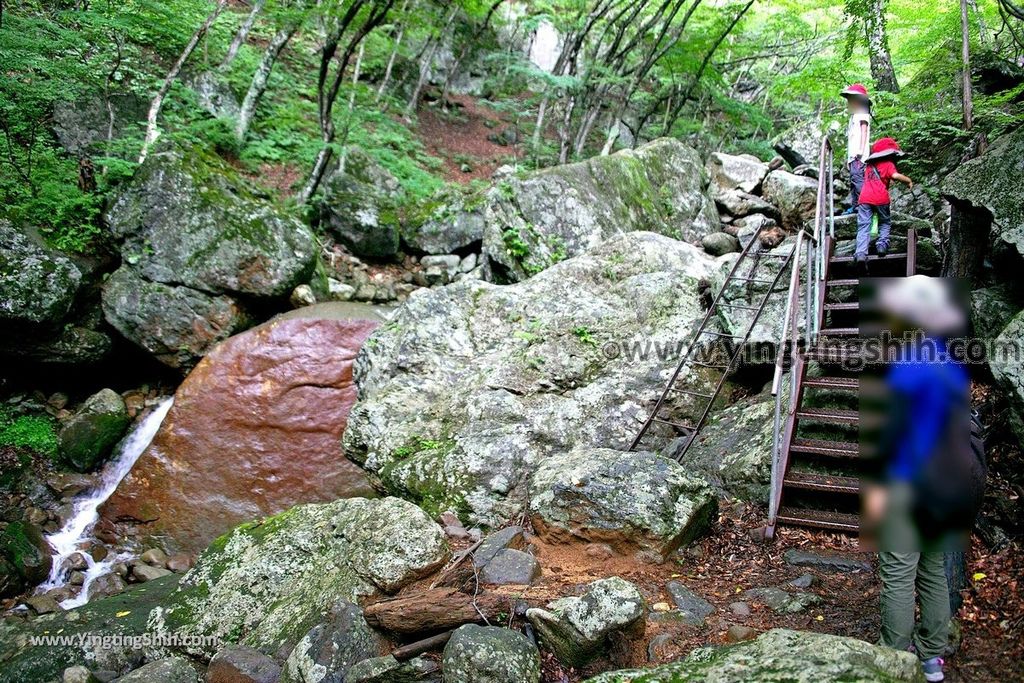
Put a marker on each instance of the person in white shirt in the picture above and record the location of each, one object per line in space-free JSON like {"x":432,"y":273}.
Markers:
{"x":858,"y":138}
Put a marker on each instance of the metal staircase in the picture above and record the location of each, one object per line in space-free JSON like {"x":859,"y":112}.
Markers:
{"x":715,"y":349}
{"x":815,"y":450}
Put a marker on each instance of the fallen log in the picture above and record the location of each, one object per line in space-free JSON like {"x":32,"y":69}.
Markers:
{"x":420,"y":646}
{"x":436,"y":609}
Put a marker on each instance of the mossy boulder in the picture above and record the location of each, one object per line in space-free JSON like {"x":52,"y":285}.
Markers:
{"x":167,"y":670}
{"x":992,"y":308}
{"x":992,"y":182}
{"x":175,"y":324}
{"x":795,"y":196}
{"x":267,"y":583}
{"x":783,"y":656}
{"x":490,"y":654}
{"x":88,"y":437}
{"x":104,"y":626}
{"x":640,"y":500}
{"x":470,"y":387}
{"x":22,"y":545}
{"x":577,"y":629}
{"x":37,"y":285}
{"x":361,"y":205}
{"x":188,"y":219}
{"x":330,"y":648}
{"x":1008,"y":368}
{"x":540,"y":218}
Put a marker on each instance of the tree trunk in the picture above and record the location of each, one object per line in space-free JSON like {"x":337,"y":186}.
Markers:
{"x":433,"y":610}
{"x":241,"y":35}
{"x":882,"y":70}
{"x":152,"y":133}
{"x":351,"y":107}
{"x":260,"y":79}
{"x":965,"y":31}
{"x":428,"y":58}
{"x":394,"y":55}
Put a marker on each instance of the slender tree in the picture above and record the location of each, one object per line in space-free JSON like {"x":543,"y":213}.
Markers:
{"x":872,"y":13}
{"x":965,"y":39}
{"x":241,"y":34}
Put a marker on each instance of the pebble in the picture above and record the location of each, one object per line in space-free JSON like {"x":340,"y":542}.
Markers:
{"x":802,"y":581}
{"x":601,"y":551}
{"x":740,"y":609}
{"x":738,"y":633}
{"x":154,"y":556}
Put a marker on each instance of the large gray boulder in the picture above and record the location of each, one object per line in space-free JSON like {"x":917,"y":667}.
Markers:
{"x":728,"y":172}
{"x":266,"y":584}
{"x":188,"y":219}
{"x":543,"y":217}
{"x":796,"y":197}
{"x":992,"y":182}
{"x":992,"y":308}
{"x":1007,"y":367}
{"x":169,"y":670}
{"x":452,"y":222}
{"x":470,"y":387}
{"x":88,"y":437}
{"x":639,"y":499}
{"x":37,"y":285}
{"x":361,"y":204}
{"x":82,"y":126}
{"x":329,"y":649}
{"x":177,"y":325}
{"x":577,"y":629}
{"x":490,"y":654}
{"x":783,"y":656}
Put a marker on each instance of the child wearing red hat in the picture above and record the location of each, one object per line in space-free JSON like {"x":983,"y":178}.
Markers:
{"x":858,"y":137}
{"x":874,"y":198}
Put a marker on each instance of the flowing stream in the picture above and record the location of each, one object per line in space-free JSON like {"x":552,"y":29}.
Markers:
{"x":78,"y":528}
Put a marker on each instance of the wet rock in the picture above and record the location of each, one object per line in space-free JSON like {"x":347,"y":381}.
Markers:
{"x":640,"y":499}
{"x":327,"y":651}
{"x":805,"y":558}
{"x":271,"y":580}
{"x":90,"y":435}
{"x":992,"y":308}
{"x":536,"y":220}
{"x":108,"y":584}
{"x":454,"y":223}
{"x":576,"y":629}
{"x":730,"y":172}
{"x":179,"y":563}
{"x":37,"y":285}
{"x":489,"y":654}
{"x":796,"y":196}
{"x":782,"y":602}
{"x":177,"y":325}
{"x":282,"y":390}
{"x":470,"y":387}
{"x":237,"y":664}
{"x":169,"y":670}
{"x":782,"y":655}
{"x":154,"y":556}
{"x":387,"y":669}
{"x":43,"y":604}
{"x":360,"y":206}
{"x":511,"y":567}
{"x":1008,"y":370}
{"x":693,"y":608}
{"x":29,"y":555}
{"x":719,"y":243}
{"x":144,"y":572}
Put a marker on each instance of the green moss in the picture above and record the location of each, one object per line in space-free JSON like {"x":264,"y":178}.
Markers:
{"x":35,"y":432}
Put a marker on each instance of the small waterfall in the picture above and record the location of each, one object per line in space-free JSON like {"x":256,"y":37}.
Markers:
{"x":78,"y":528}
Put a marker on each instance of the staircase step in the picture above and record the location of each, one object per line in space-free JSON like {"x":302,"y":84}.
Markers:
{"x":835,"y":383}
{"x":832,"y":353}
{"x":900,"y":256}
{"x":840,"y":331}
{"x":832,"y":449}
{"x":844,"y":306}
{"x":819,"y":519}
{"x":842,"y":282}
{"x":846,"y":417}
{"x":813,"y":481}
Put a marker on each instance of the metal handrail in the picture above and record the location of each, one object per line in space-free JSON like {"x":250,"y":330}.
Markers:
{"x":811,"y":286}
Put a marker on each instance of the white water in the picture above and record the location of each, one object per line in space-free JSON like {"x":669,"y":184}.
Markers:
{"x":78,"y":529}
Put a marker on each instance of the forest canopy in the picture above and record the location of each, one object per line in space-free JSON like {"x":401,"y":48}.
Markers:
{"x":291,"y":85}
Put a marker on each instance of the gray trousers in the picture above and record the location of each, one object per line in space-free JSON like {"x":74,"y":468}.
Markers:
{"x":856,"y":167}
{"x":901,"y":572}
{"x":864,"y":215}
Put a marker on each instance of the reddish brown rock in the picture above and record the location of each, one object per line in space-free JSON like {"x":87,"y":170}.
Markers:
{"x":255,"y":428}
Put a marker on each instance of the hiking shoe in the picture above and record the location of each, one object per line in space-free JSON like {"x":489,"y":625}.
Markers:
{"x":933,"y":669}
{"x":881,"y":251}
{"x":860,"y":266}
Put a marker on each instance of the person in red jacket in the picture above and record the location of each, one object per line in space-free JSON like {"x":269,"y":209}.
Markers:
{"x":879,"y":171}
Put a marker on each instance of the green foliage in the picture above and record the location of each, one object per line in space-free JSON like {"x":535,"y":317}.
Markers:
{"x":32,"y":432}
